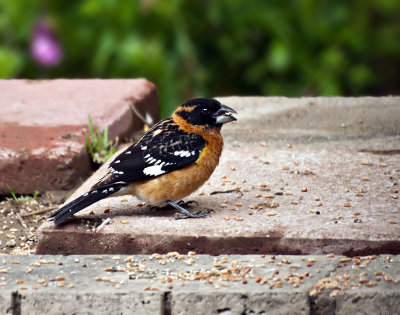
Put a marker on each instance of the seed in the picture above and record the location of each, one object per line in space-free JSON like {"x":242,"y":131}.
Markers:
{"x":106,"y":210}
{"x":269,"y":196}
{"x":370,"y":284}
{"x":61,"y":284}
{"x":258,"y":279}
{"x":23,"y":288}
{"x":271,"y":213}
{"x":71,"y":286}
{"x":357,"y":213}
{"x":98,"y":278}
{"x":226,"y":218}
{"x":346,"y":205}
{"x":317,"y":199}
{"x":330,"y":256}
{"x":258,"y":196}
{"x":382,"y":165}
{"x":293,"y":202}
{"x":41,"y":281}
{"x":363,"y":163}
{"x":285,"y":168}
{"x":304,"y":189}
{"x":392,"y":222}
{"x":263,"y":185}
{"x":251,"y":212}
{"x":394,"y":196}
{"x":365,"y":179}
{"x":15,"y":262}
{"x":124,"y":200}
{"x":395,"y":191}
{"x":60,"y":278}
{"x":20,"y":281}
{"x":52,"y":279}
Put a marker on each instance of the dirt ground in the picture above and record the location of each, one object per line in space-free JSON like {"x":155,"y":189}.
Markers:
{"x":20,"y":219}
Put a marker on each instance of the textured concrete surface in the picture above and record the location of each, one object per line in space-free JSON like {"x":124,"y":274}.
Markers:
{"x":199,"y":284}
{"x":337,"y":123}
{"x":306,"y":198}
{"x":43,"y":123}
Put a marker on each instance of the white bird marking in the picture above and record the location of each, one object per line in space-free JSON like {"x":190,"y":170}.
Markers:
{"x":104,"y":191}
{"x":84,"y":195}
{"x":143,"y":147}
{"x":182,"y":153}
{"x":128,"y":152}
{"x":94,"y":192}
{"x":153,"y":170}
{"x":117,"y":161}
{"x":148,"y":155}
{"x":111,"y":189}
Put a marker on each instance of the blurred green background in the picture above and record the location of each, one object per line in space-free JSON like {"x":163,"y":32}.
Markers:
{"x":214,"y":48}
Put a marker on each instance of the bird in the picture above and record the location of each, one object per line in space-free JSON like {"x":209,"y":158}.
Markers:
{"x":170,"y":161}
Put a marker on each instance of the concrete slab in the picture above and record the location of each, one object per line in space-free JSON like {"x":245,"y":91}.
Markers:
{"x":294,"y":200}
{"x":192,"y":284}
{"x":338,"y":123}
{"x":43,"y":123}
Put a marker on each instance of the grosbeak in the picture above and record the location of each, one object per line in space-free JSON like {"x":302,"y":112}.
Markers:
{"x":170,"y":161}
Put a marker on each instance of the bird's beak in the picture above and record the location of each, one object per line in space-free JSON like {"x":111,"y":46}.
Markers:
{"x":224,"y":115}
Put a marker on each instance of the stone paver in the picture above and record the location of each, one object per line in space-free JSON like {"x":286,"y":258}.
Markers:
{"x":199,"y":284}
{"x":335,"y":195}
{"x":43,"y":123}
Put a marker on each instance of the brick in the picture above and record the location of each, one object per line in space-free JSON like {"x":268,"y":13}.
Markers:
{"x":43,"y":123}
{"x":332,"y":174}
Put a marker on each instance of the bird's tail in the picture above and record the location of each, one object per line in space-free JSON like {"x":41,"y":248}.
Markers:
{"x":82,"y":202}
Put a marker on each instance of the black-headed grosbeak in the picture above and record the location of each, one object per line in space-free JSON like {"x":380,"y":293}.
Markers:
{"x":170,"y":161}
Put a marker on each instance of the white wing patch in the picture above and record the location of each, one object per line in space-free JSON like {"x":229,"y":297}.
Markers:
{"x":153,"y":170}
{"x":182,"y":153}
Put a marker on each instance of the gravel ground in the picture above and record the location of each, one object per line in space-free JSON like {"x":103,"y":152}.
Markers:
{"x":20,"y":219}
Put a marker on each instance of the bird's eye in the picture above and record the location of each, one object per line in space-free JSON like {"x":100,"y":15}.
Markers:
{"x":205,"y":110}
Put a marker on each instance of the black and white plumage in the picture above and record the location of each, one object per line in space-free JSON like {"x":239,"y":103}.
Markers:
{"x":174,"y":144}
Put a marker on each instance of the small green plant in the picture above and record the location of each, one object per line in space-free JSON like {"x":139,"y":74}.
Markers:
{"x":99,"y":147}
{"x":21,"y":198}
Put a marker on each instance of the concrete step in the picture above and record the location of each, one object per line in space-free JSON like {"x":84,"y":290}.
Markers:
{"x":199,"y":284}
{"x":313,"y":180}
{"x":43,"y":123}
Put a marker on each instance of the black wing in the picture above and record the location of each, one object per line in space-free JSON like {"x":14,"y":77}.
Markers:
{"x":162,"y":149}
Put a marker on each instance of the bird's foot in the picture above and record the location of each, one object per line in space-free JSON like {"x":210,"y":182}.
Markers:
{"x":186,"y":214}
{"x":199,"y":214}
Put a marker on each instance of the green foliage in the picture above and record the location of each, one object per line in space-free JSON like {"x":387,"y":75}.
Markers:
{"x":209,"y":48}
{"x":99,"y":147}
{"x":23,"y":199}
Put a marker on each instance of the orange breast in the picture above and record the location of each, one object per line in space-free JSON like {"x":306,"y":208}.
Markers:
{"x":181,"y":183}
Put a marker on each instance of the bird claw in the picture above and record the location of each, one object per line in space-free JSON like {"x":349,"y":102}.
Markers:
{"x":199,"y":214}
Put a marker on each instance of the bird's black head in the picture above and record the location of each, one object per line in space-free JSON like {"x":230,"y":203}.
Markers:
{"x":205,"y":112}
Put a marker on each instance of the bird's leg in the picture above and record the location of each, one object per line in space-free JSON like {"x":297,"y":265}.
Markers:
{"x":179,"y":203}
{"x":185,"y":214}
{"x":187,"y":203}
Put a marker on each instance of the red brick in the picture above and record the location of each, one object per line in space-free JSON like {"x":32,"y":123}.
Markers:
{"x":43,"y":123}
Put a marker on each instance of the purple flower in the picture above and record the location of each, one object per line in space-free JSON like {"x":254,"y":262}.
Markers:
{"x":45,"y":47}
